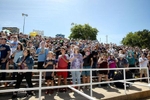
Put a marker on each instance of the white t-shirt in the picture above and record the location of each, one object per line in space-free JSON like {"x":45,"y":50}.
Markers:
{"x":143,"y":64}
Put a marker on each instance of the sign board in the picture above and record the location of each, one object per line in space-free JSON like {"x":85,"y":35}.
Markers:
{"x":39,"y":32}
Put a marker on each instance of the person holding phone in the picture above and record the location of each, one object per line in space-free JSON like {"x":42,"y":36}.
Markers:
{"x":88,"y":62}
{"x":103,"y":63}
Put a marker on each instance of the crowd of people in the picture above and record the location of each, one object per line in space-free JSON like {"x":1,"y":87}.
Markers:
{"x":20,"y":50}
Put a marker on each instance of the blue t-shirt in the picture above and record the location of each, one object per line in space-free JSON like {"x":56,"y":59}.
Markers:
{"x":42,"y":57}
{"x":4,"y":50}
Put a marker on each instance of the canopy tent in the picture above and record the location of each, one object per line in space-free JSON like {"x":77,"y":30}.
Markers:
{"x":33,"y":34}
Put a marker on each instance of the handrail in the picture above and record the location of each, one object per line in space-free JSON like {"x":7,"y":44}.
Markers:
{"x":55,"y":70}
{"x":81,"y":93}
{"x":62,"y":86}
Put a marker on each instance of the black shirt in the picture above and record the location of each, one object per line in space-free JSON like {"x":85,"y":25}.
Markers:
{"x":87,"y":59}
{"x":4,"y":50}
{"x":50,"y":66}
{"x":95,"y":56}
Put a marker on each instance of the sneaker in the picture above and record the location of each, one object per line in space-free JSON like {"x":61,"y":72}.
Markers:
{"x":26,"y":95}
{"x":5,"y":85}
{"x":127,"y":86}
{"x":88,"y":87}
{"x":78,"y":88}
{"x":83,"y":87}
{"x":51,"y":91}
{"x":108,"y":85}
{"x":99,"y":85}
{"x":14,"y":96}
{"x":46,"y":92}
{"x":31,"y":93}
{"x":11,"y":83}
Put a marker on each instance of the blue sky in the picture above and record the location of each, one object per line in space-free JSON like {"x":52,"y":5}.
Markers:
{"x":114,"y":18}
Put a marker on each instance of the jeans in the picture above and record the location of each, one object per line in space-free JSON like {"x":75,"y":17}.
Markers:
{"x":111,"y":74}
{"x":28,"y":77}
{"x":3,"y":67}
{"x":14,"y":73}
{"x":76,"y":76}
{"x":94,"y":73}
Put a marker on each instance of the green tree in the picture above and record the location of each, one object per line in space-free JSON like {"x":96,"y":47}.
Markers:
{"x":85,"y":32}
{"x":139,"y":38}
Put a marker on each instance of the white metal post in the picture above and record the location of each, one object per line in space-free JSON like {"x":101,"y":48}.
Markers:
{"x":124,"y":75}
{"x":91,"y":83}
{"x":40,"y":84}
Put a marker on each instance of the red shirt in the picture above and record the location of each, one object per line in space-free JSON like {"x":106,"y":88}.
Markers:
{"x":62,"y":64}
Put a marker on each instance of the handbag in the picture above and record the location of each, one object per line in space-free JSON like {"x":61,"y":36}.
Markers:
{"x":22,"y":65}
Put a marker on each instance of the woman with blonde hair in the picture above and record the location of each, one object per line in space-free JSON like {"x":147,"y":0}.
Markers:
{"x":42,"y":53}
{"x":50,"y":64}
{"x":76,"y":60}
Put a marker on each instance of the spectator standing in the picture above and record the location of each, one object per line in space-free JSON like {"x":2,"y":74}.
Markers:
{"x":31,"y":48}
{"x":122,"y":61}
{"x":88,"y":62}
{"x":103,"y":63}
{"x":16,"y":55}
{"x":76,"y":63}
{"x":5,"y":53}
{"x":42,"y":54}
{"x":95,"y":59}
{"x":112,"y":64}
{"x":50,"y":64}
{"x":131,"y":60}
{"x":0,"y":48}
{"x":143,"y":63}
{"x":63,"y":60}
{"x":24,"y":62}
{"x":14,"y":43}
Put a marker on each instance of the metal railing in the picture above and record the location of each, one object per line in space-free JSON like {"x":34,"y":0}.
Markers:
{"x":40,"y":88}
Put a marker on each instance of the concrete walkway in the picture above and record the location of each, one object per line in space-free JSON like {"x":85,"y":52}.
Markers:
{"x":98,"y":93}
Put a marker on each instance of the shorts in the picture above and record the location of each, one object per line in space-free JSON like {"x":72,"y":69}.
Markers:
{"x":143,"y":71}
{"x":40,"y":65}
{"x":86,"y":73}
{"x":49,"y":78}
{"x":105,"y":72}
{"x":63,"y":74}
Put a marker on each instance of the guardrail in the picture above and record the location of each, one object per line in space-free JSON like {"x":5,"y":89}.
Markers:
{"x":62,"y":86}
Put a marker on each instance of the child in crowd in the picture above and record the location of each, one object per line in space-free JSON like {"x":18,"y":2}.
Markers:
{"x":50,"y":64}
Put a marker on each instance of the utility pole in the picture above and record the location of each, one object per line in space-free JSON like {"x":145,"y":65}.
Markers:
{"x":24,"y":15}
{"x":106,"y":38}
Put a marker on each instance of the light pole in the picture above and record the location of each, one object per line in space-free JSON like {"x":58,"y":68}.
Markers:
{"x":24,"y":15}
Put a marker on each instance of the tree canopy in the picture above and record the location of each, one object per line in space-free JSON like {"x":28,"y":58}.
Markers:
{"x":139,"y":38}
{"x":85,"y":32}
